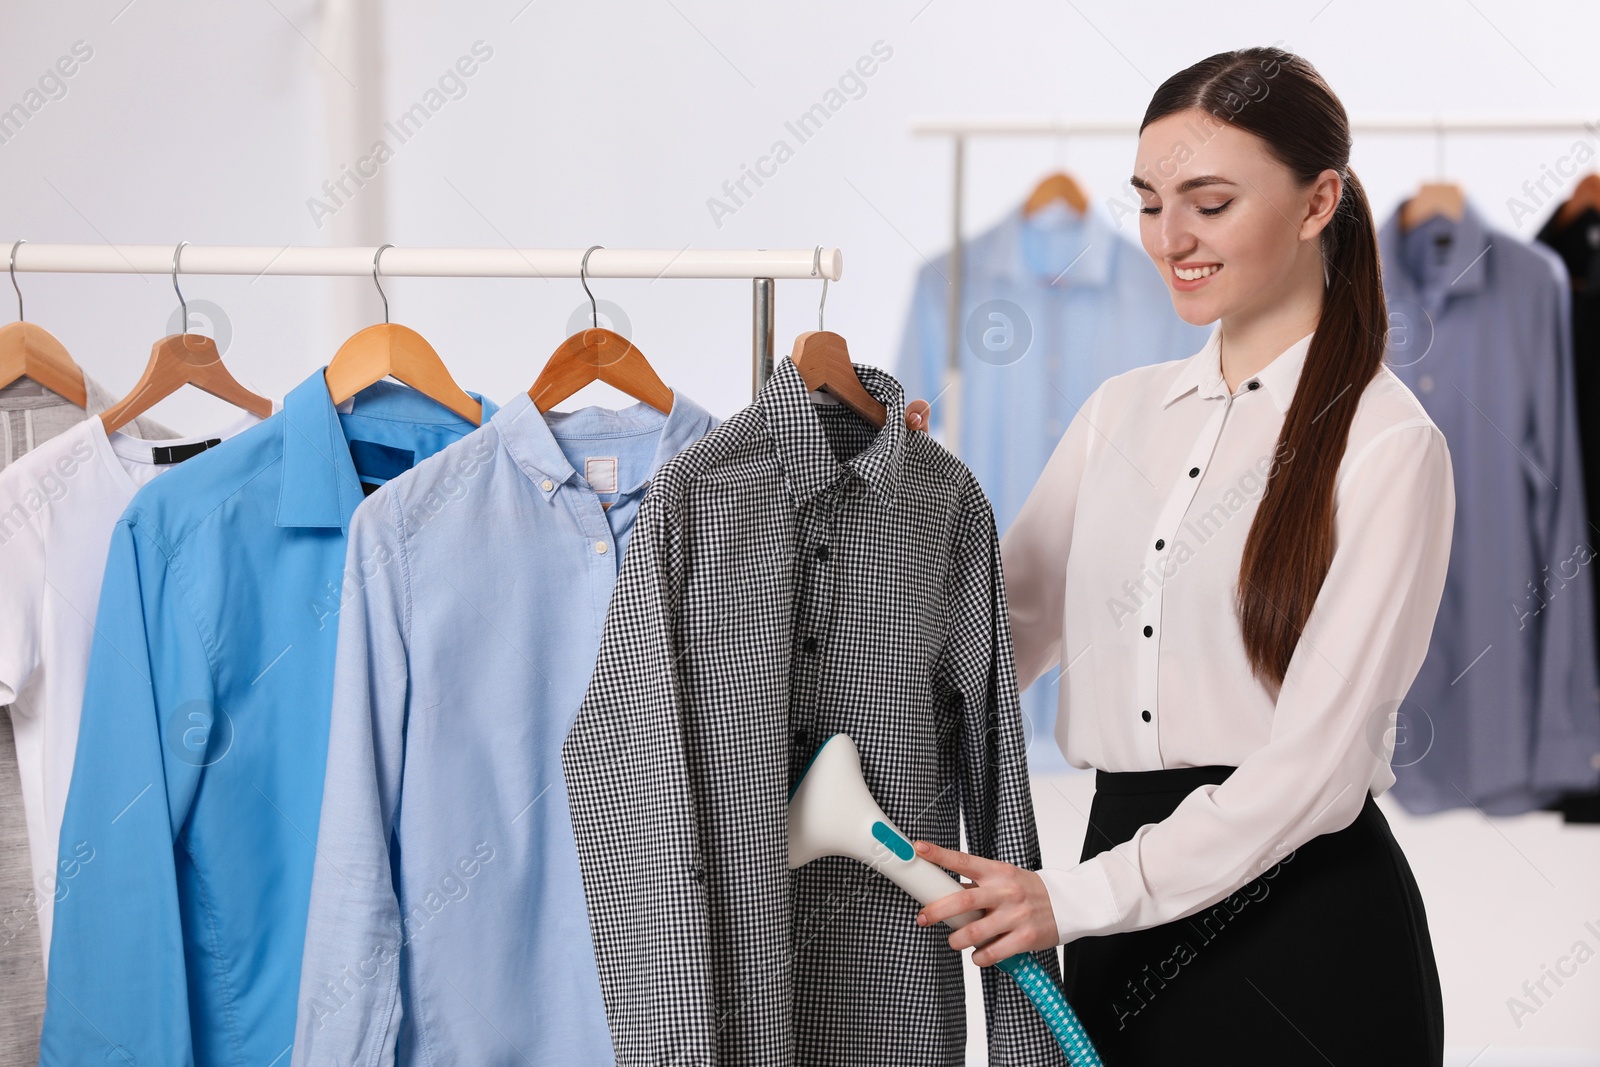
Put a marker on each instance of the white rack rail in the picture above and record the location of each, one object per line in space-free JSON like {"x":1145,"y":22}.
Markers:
{"x":762,"y":266}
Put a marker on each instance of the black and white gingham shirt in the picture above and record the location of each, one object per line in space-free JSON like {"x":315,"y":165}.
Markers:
{"x":792,"y":575}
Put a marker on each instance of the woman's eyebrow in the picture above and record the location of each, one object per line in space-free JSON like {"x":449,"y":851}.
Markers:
{"x":1183,"y":186}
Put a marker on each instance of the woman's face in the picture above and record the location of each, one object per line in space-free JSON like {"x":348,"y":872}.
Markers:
{"x":1216,"y":203}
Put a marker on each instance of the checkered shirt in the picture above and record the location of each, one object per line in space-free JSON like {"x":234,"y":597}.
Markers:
{"x":792,"y":575}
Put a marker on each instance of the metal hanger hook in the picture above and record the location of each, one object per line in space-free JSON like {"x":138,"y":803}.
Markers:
{"x":13,"y":268}
{"x":583,"y":279}
{"x":376,"y":257}
{"x":816,"y":268}
{"x":182,"y":303}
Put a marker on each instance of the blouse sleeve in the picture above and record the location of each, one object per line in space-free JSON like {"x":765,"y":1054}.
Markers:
{"x":1033,"y":551}
{"x":1359,"y":652}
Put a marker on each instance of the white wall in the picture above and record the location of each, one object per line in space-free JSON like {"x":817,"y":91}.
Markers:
{"x":613,"y":123}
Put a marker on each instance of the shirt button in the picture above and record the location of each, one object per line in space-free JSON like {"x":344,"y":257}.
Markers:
{"x":599,"y":546}
{"x":1148,"y":630}
{"x":822,"y":551}
{"x":1145,"y":715}
{"x":547,"y":485}
{"x":1194,"y":472}
{"x":1254,"y":385}
{"x":1160,"y":544}
{"x":810,"y":644}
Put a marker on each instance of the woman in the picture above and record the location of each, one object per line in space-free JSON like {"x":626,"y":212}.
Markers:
{"x":1237,"y":558}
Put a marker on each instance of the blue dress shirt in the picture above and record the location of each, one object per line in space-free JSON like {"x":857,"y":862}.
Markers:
{"x":1504,"y":714}
{"x":447,"y":918}
{"x":1052,"y":306}
{"x":205,"y":721}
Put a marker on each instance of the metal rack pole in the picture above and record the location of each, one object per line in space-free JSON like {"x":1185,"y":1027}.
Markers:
{"x":762,"y":320}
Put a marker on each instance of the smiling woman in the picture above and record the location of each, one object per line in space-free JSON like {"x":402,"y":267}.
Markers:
{"x":1240,"y":719}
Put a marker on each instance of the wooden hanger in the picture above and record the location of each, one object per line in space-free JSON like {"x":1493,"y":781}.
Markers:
{"x":32,"y":352}
{"x":823,"y":360}
{"x":598,"y":354}
{"x":182,"y":359}
{"x":1053,"y":187}
{"x":1586,"y":195}
{"x":1434,"y":198}
{"x":387,"y":350}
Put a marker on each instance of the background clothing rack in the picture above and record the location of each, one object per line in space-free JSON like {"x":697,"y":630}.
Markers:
{"x":762,"y":266}
{"x":959,"y":130}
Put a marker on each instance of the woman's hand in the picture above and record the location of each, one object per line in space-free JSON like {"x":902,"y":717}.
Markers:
{"x":917,"y":414}
{"x":1016,"y":903}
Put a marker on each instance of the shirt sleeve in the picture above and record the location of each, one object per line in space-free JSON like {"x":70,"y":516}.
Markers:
{"x":1035,"y":552}
{"x":118,"y":986}
{"x":1567,"y":708}
{"x":1357,"y":656}
{"x":996,"y":801}
{"x":349,"y":1008}
{"x":633,"y":818}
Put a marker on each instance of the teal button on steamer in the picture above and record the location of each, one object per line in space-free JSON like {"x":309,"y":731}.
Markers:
{"x":833,"y":813}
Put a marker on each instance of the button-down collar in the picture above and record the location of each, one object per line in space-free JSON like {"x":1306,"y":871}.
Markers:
{"x":528,"y":436}
{"x":320,"y":484}
{"x":1064,"y":251}
{"x":1463,"y":269}
{"x":809,"y":464}
{"x":1203,"y":371}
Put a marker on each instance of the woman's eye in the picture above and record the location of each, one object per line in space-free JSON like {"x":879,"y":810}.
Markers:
{"x":1150,"y":210}
{"x":1214,"y":210}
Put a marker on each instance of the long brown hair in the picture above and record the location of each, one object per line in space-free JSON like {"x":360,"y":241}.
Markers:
{"x":1281,"y":98}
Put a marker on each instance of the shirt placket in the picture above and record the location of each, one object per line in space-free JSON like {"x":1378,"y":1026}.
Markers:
{"x":1160,"y":565}
{"x":814,"y":600}
{"x":600,"y":544}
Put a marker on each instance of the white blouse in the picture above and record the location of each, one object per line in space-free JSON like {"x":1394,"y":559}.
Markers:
{"x":1122,"y":566}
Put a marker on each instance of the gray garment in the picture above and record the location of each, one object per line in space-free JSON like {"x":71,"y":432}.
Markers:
{"x":1504,"y":715}
{"x":30,"y":415}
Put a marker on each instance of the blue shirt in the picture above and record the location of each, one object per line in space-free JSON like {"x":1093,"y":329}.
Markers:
{"x":1504,"y":713}
{"x":205,"y":721}
{"x":447,"y":910}
{"x":1052,"y":306}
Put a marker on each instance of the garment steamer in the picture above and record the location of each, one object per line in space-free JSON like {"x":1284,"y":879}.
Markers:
{"x":832,"y":813}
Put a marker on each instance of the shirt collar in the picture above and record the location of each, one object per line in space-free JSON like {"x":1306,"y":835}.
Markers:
{"x":1203,"y":372}
{"x":320,"y":485}
{"x":1079,"y":249}
{"x":1465,"y":268}
{"x":809,"y":464}
{"x":530,"y":437}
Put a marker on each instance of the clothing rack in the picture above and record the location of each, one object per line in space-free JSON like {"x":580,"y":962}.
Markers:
{"x":762,"y":266}
{"x":959,"y":130}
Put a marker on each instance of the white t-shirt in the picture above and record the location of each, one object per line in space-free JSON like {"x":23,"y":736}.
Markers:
{"x":58,"y":506}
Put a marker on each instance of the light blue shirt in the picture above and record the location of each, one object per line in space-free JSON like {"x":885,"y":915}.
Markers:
{"x":205,"y":722}
{"x":1504,"y":714}
{"x":1052,"y":306}
{"x":447,"y":909}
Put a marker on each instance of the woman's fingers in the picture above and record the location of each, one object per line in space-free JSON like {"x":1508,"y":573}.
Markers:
{"x":974,"y":867}
{"x":979,"y":931}
{"x":999,"y":949}
{"x":917,"y":414}
{"x":974,"y":898}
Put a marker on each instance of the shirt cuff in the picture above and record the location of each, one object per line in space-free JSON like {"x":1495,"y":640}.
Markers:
{"x":1082,"y":900}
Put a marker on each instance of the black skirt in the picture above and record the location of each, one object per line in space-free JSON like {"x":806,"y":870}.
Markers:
{"x":1324,"y":958}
